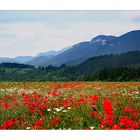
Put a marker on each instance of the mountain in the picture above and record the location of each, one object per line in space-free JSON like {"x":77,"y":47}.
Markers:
{"x":39,"y":59}
{"x":34,"y":60}
{"x":75,"y":54}
{"x":131,"y":59}
{"x":127,"y":42}
{"x":23,"y":59}
{"x":52,"y":52}
{"x":18,"y":59}
{"x":5,"y":59}
{"x":48,"y":54}
{"x":97,"y":46}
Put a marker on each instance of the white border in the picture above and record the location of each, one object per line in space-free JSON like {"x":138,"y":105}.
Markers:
{"x":69,"y":4}
{"x":70,"y":135}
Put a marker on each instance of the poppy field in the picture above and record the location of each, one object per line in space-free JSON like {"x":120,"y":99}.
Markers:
{"x":70,"y":105}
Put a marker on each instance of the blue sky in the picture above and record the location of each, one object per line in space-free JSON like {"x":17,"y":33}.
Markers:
{"x":32,"y":32}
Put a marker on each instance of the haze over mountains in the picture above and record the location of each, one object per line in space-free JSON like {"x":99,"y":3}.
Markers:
{"x":78,"y":53}
{"x":25,"y":59}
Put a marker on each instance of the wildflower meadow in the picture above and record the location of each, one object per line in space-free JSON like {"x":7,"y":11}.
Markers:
{"x":70,"y":105}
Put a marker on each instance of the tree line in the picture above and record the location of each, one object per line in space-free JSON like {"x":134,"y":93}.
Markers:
{"x":122,"y":67}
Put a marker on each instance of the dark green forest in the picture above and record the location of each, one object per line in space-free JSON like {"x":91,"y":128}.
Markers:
{"x":119,"y":67}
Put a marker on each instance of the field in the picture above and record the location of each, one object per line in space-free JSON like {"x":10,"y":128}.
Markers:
{"x":70,"y":105}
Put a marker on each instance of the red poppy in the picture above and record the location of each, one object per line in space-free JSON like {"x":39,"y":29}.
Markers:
{"x":42,"y":106}
{"x":110,"y":122}
{"x":135,"y":114}
{"x":108,"y":109}
{"x":81,"y":100}
{"x":2,"y":128}
{"x":116,"y":127}
{"x":8,"y":123}
{"x":93,"y":113}
{"x":58,"y":119}
{"x":127,"y":110}
{"x":25,"y":123}
{"x":23,"y":117}
{"x":68,"y":104}
{"x":6,"y":106}
{"x":39,"y":123}
{"x":32,"y":111}
{"x":95,"y":97}
{"x":93,"y":103}
{"x":54,"y":122}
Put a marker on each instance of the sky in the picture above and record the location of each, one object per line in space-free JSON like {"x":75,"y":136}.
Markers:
{"x":24,"y":33}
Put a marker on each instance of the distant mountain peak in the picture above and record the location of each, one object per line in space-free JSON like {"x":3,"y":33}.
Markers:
{"x":23,"y":59}
{"x":77,"y":53}
{"x":99,"y":45}
{"x":48,"y":53}
{"x":52,"y":52}
{"x":102,"y":38}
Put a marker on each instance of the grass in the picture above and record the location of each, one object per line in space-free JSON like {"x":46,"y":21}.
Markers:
{"x":70,"y":105}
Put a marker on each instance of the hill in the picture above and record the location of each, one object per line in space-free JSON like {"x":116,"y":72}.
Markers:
{"x":97,"y":46}
{"x":126,"y":65}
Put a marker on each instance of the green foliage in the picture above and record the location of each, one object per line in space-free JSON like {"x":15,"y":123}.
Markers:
{"x":114,"y":74}
{"x":123,"y":67}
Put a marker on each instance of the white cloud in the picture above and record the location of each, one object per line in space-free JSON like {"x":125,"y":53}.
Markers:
{"x":34,"y":37}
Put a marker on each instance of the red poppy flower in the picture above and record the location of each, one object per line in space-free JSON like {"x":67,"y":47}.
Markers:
{"x":116,"y":127}
{"x":108,"y":109}
{"x":81,"y":100}
{"x":39,"y":123}
{"x":58,"y":119}
{"x":95,"y":97}
{"x":32,"y":111}
{"x":92,"y":114}
{"x":2,"y":128}
{"x":23,"y":117}
{"x":54,"y":122}
{"x":6,"y":106}
{"x":110,"y":122}
{"x":68,"y":104}
{"x":8,"y":123}
{"x":127,"y":110}
{"x":93,"y":103}
{"x":135,"y":114}
{"x":42,"y":106}
{"x":25,"y":123}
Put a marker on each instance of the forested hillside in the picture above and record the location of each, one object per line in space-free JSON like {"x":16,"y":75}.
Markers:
{"x":122,"y":67}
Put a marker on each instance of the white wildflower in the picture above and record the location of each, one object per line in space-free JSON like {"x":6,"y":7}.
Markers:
{"x":57,"y":109}
{"x":48,"y":110}
{"x":65,"y":110}
{"x":92,"y":127}
{"x":28,"y":128}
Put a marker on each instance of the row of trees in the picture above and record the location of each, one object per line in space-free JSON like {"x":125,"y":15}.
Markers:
{"x":123,"y":67}
{"x":15,"y":65}
{"x":43,"y":74}
{"x":114,"y":74}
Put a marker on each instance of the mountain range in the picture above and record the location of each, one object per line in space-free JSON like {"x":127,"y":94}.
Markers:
{"x":76,"y":54}
{"x":25,"y":59}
